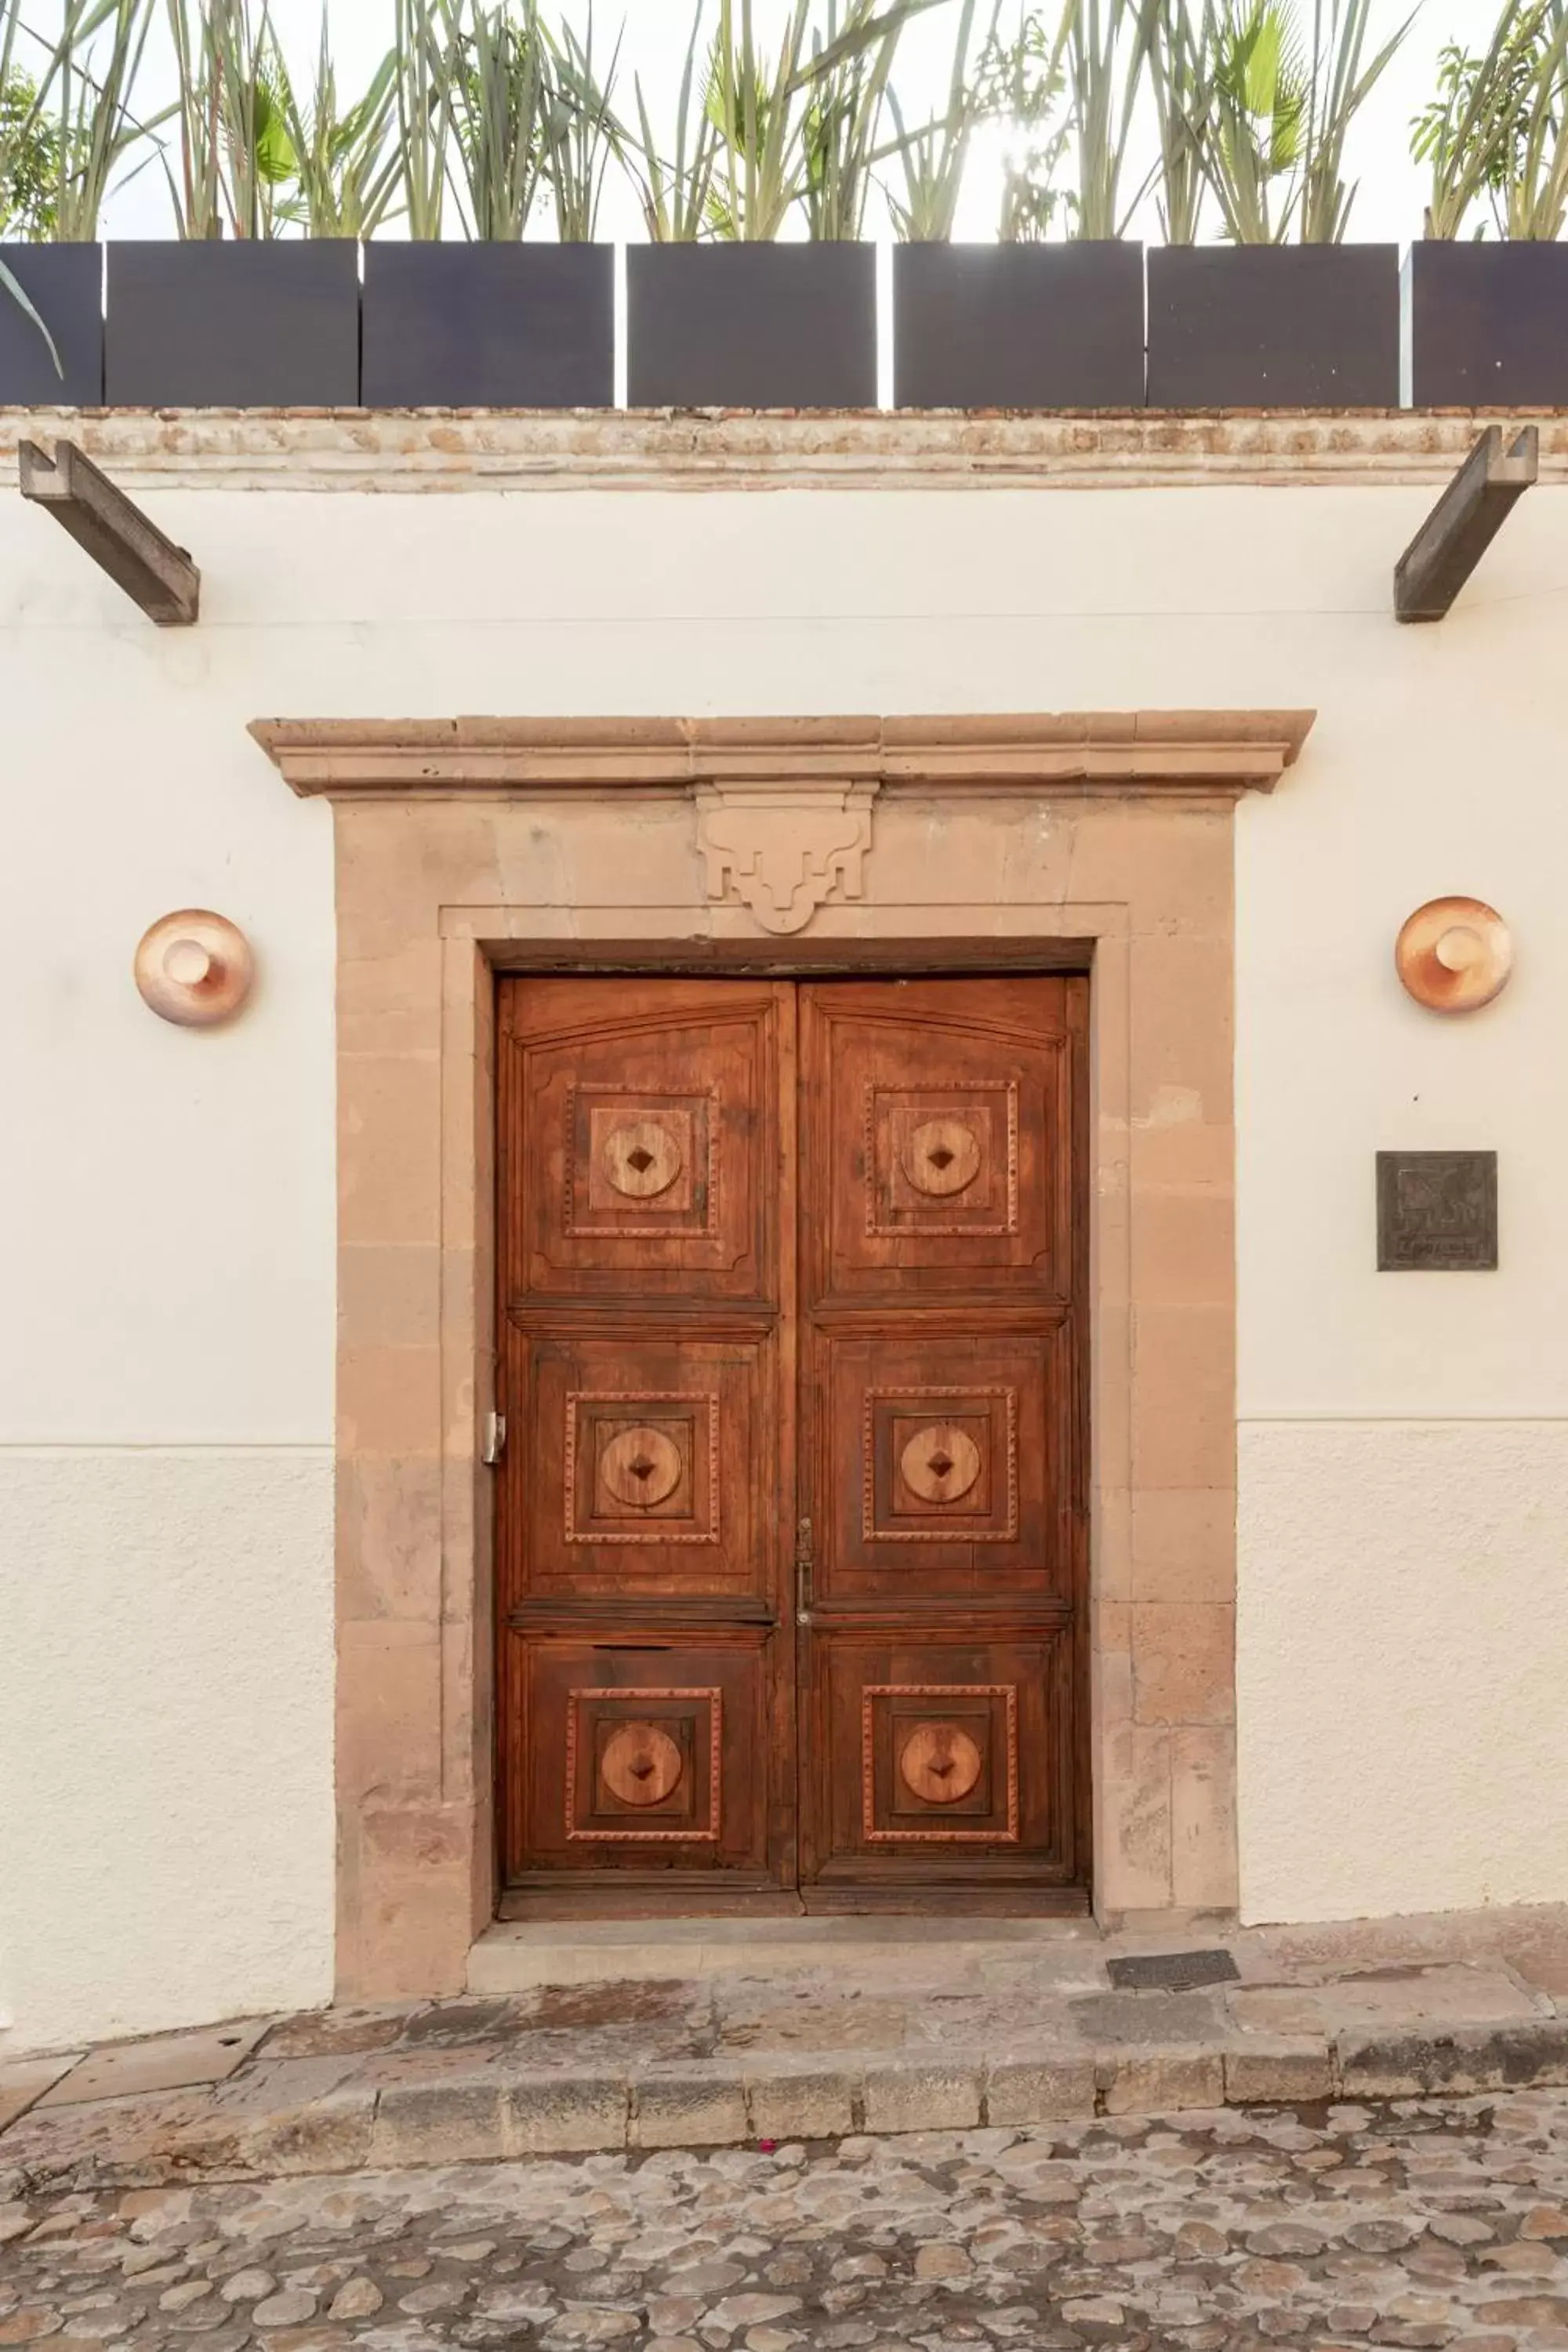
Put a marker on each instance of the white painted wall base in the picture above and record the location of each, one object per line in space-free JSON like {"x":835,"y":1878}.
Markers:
{"x":166,"y":1756}
{"x":1402,"y":1664}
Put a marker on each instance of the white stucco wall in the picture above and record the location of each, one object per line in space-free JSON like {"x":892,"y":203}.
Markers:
{"x":166,"y":1197}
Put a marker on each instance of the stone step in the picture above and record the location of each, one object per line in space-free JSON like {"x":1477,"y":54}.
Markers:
{"x":516,"y":1957}
{"x":310,"y":2116}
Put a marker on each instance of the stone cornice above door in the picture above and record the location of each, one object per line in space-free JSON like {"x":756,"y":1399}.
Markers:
{"x":1218,"y":754}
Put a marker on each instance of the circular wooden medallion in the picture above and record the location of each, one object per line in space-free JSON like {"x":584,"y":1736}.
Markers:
{"x":939,"y":1763}
{"x":641,"y":1467}
{"x":641,"y":1159}
{"x":1454,"y":955}
{"x":941,"y":1156}
{"x":641,"y":1764}
{"x":939,"y":1463}
{"x":195,"y":968}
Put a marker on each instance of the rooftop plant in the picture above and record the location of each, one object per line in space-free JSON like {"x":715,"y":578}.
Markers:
{"x":1253,"y":140}
{"x":1257,"y":104}
{"x":236,"y":158}
{"x":1104,"y":46}
{"x":346,"y":169}
{"x":932,"y":158}
{"x":424,"y":54}
{"x":500,"y":104}
{"x":755,"y":137}
{"x":583,"y":133}
{"x":676,"y":192}
{"x":29,"y":160}
{"x":1025,"y":83}
{"x":1496,"y":134}
{"x":1181,"y":84}
{"x":851,"y":66}
{"x":759,"y":165}
{"x":1341,"y":77}
{"x":507,"y":108}
{"x":97,"y":61}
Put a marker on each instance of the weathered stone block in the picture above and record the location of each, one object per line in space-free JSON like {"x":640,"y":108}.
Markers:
{"x":559,"y":2115}
{"x":1034,"y":2090}
{"x":1155,"y":2082}
{"x":684,"y":2108}
{"x":1278,"y":2074}
{"x":1503,"y":2057}
{"x":331,"y":2135}
{"x":443,"y":2122}
{"x":819,"y":2105}
{"x":922,"y":2098}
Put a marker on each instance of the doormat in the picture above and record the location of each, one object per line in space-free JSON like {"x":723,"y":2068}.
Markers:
{"x":1171,"y":1971}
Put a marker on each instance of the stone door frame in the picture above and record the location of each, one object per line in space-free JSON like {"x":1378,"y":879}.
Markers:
{"x":905,"y":844}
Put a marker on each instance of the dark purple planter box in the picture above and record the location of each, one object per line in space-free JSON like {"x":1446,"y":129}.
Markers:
{"x":489,"y":326}
{"x":65,"y":285}
{"x":752,"y":326}
{"x":1018,"y":326}
{"x":1488,"y":324}
{"x":235,"y":323}
{"x":1274,"y":326}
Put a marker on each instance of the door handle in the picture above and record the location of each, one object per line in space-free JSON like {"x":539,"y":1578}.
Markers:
{"x":803,"y":1572}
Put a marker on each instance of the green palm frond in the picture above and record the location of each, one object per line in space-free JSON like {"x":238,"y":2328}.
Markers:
{"x":1104,"y":50}
{"x":346,"y":169}
{"x":1181,"y":70}
{"x":98,"y":125}
{"x":18,"y":294}
{"x":1339,"y":86}
{"x":584,"y":133}
{"x":1253,"y":140}
{"x":676,"y":192}
{"x":932,"y":158}
{"x":500,"y":100}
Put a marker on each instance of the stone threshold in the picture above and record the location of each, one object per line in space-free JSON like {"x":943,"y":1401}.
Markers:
{"x":517,"y":1956}
{"x":888,"y":2026}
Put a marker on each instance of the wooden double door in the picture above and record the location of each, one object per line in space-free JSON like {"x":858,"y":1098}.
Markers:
{"x":791,"y":1536}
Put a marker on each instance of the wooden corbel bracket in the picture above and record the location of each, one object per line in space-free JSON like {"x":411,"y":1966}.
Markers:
{"x":1463,"y":523}
{"x":153,"y":572}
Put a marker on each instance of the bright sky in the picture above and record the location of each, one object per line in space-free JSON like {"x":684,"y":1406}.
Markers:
{"x":1388,"y":206}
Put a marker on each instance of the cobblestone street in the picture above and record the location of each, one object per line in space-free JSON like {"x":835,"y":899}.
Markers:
{"x":1429,"y":2222}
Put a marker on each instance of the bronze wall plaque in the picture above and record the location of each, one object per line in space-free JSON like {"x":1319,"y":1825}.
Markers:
{"x":1436,"y":1212}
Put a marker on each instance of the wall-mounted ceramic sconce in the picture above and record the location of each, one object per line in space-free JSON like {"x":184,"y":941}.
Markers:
{"x":1454,"y":955}
{"x":195,"y":968}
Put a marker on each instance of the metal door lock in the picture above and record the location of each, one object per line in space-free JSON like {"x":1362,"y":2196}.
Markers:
{"x":494,"y":1442}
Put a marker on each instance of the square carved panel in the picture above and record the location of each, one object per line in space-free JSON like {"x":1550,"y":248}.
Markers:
{"x":942,"y":1159}
{"x":939,"y":1465}
{"x":644,"y":1766}
{"x":650,"y":1465}
{"x":637,"y":1750}
{"x":642,"y":1467}
{"x":939,"y":1763}
{"x":937,"y":1742}
{"x":1436,"y":1212}
{"x":640,"y":1166}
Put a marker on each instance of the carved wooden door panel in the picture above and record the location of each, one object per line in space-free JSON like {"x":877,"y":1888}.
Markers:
{"x":751,"y":1513}
{"x":646,"y":1158}
{"x":941,"y":1308}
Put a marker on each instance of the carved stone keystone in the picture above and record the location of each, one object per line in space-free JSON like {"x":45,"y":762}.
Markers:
{"x":783,"y":849}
